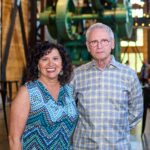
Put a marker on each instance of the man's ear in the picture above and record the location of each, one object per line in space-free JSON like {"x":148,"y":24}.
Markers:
{"x":113,"y":44}
{"x":87,"y":45}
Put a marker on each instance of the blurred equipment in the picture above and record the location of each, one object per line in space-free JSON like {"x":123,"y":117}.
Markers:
{"x":68,"y":20}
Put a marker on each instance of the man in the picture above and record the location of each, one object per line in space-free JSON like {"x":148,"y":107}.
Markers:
{"x":109,"y":96}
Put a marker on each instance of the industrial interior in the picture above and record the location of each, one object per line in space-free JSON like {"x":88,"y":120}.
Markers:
{"x":23,"y":23}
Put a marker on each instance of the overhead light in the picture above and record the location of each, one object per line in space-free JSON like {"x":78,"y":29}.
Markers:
{"x":136,"y":24}
{"x":143,"y":24}
{"x":142,"y":4}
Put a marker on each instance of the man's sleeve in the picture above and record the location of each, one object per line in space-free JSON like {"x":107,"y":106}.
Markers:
{"x":135,"y":102}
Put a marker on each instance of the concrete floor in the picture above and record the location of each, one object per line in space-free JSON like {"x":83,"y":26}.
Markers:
{"x":137,"y":142}
{"x":146,"y":136}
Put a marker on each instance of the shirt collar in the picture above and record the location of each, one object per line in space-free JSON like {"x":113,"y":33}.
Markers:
{"x":113,"y":63}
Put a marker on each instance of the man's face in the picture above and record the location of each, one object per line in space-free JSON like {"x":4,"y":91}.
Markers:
{"x":100,"y":44}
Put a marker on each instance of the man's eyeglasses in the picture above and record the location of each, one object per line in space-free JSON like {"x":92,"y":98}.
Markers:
{"x":103,"y":42}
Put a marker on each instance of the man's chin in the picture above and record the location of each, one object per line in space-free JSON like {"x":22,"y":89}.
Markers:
{"x":101,"y":58}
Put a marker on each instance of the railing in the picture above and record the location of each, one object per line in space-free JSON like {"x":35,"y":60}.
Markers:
{"x":6,"y":91}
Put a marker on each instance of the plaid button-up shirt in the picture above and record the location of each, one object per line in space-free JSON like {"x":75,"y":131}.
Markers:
{"x":109,"y":102}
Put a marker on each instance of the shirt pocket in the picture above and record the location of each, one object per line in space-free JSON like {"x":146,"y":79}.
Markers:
{"x":118,"y":97}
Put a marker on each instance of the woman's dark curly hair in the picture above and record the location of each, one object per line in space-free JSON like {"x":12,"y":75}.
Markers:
{"x":39,"y":51}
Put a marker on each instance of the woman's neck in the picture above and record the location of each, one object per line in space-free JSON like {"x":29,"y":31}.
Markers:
{"x":49,"y":82}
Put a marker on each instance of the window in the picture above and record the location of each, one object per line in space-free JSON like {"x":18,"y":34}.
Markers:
{"x":134,"y":60}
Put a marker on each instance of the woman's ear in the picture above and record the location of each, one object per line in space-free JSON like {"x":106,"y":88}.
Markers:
{"x":38,"y":67}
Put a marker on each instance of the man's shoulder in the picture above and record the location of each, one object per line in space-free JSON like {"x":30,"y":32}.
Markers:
{"x":83,"y":67}
{"x":126,"y":70}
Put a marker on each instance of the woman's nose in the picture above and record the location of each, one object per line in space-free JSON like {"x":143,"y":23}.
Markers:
{"x":50,"y":62}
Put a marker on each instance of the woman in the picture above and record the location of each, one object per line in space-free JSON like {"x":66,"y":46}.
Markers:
{"x":43,"y":114}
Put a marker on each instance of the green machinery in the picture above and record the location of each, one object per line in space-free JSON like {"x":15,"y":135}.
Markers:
{"x":67,"y":21}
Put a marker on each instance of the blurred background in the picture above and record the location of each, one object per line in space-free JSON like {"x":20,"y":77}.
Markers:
{"x":23,"y":23}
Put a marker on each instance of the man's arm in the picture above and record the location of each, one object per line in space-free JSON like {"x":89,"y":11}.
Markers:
{"x":135,"y":102}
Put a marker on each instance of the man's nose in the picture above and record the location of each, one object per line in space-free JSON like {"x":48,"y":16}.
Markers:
{"x":99,"y":44}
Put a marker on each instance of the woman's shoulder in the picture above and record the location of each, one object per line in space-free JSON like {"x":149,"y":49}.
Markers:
{"x":22,"y":92}
{"x":31,"y":84}
{"x":68,"y":87}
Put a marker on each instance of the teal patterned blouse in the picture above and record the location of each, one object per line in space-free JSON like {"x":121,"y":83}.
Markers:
{"x":51,"y":123}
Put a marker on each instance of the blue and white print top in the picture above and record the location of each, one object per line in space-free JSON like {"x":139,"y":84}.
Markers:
{"x":51,"y":123}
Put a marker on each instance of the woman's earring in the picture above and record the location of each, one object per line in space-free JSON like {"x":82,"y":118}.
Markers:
{"x":39,"y":73}
{"x":61,"y":73}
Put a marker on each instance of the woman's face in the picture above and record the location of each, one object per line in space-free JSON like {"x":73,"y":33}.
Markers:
{"x":50,"y":65}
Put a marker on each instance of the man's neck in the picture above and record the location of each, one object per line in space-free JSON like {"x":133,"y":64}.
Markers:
{"x":103,"y":63}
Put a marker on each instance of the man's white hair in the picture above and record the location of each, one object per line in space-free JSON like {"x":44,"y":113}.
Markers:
{"x":101,"y":26}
